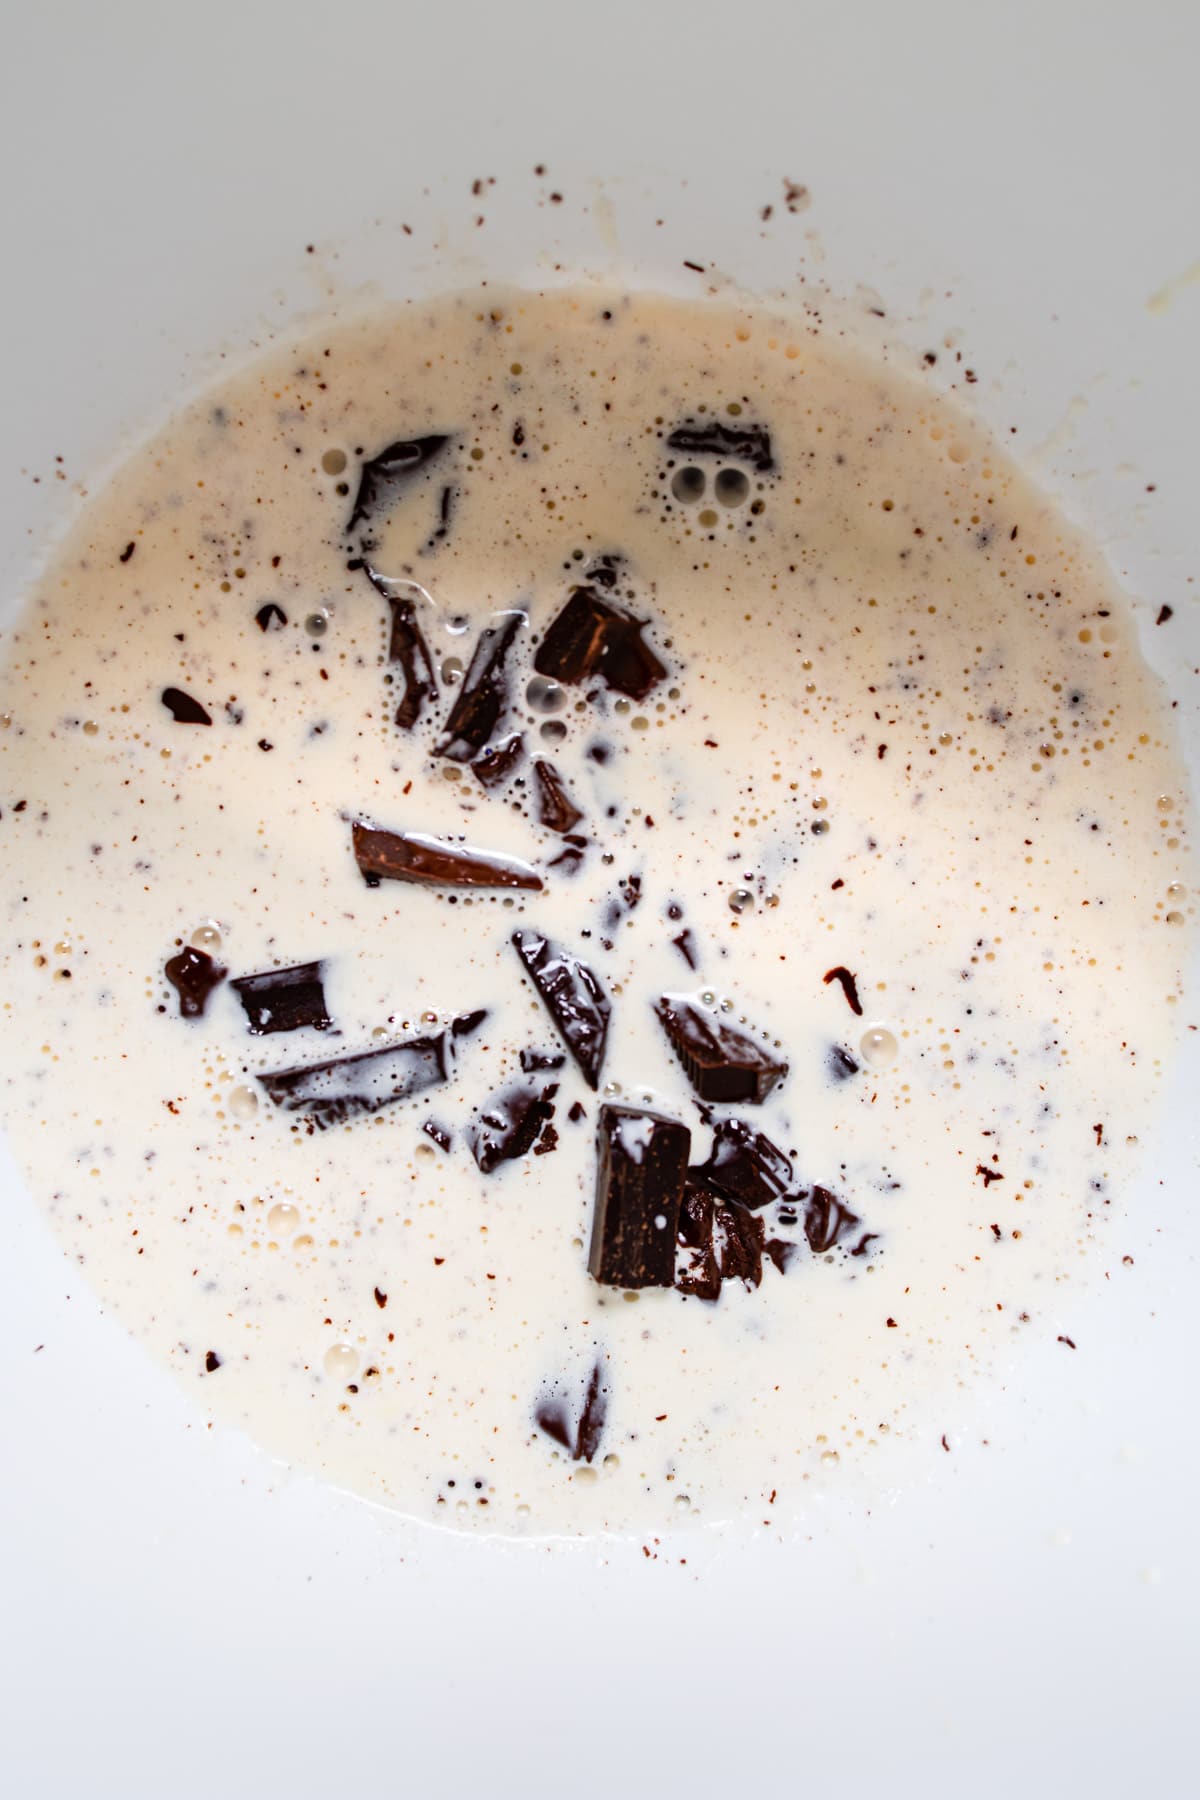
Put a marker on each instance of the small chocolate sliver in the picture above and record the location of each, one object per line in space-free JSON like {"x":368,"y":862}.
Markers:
{"x":781,"y":1252}
{"x":556,"y":809}
{"x":193,"y":974}
{"x":570,"y":857}
{"x":573,"y":997}
{"x":745,"y":443}
{"x":738,"y":1240}
{"x":510,"y":1123}
{"x":744,"y":1165}
{"x":696,"y":1270}
{"x":484,"y":691}
{"x":639,"y":1188}
{"x":183,"y":709}
{"x":327,"y":1093}
{"x":723,"y":1063}
{"x":547,"y":1142}
{"x":411,"y":856}
{"x":212,"y":1362}
{"x":284,"y":999}
{"x":534,"y":1062}
{"x":826,"y":1220}
{"x":496,"y":763}
{"x":849,"y":987}
{"x":383,"y":477}
{"x":686,"y":946}
{"x":407,"y":650}
{"x":591,"y":1419}
{"x":552,"y":1417}
{"x":593,"y":636}
{"x":841,"y":1064}
{"x":577,"y":1111}
{"x":270,"y":615}
{"x":440,"y":1134}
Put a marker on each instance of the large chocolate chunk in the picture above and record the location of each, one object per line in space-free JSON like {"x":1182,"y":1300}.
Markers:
{"x":573,"y":996}
{"x":284,"y":999}
{"x":428,"y":861}
{"x":510,"y":1123}
{"x":745,"y":443}
{"x":327,"y":1093}
{"x":696,"y":1270}
{"x":594,"y":636}
{"x":384,"y":477}
{"x":722,"y":1062}
{"x":826,"y":1220}
{"x":495,"y":764}
{"x":639,"y":1187}
{"x":738,"y":1241}
{"x":552,"y":1415}
{"x":484,"y":691}
{"x":556,"y":809}
{"x":745,"y":1165}
{"x":193,"y":974}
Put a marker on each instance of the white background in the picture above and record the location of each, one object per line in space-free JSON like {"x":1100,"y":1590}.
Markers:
{"x":177,"y":1616}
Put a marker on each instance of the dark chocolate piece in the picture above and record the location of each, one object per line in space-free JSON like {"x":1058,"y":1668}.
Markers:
{"x":848,"y":984}
{"x":193,"y":974}
{"x":745,"y":443}
{"x":745,"y":1165}
{"x":411,"y":856}
{"x":593,"y":636}
{"x":384,"y":477}
{"x":326,"y":1093}
{"x":639,"y":1187}
{"x":270,"y":615}
{"x":212,"y":1362}
{"x":556,"y":810}
{"x":570,"y":857}
{"x":483,"y":693}
{"x":509,"y":1123}
{"x":738,"y":1241}
{"x":440,"y":1134}
{"x":407,"y":648}
{"x":284,"y":999}
{"x":535,"y":1062}
{"x":826,"y":1220}
{"x":577,"y":1111}
{"x":841,"y":1064}
{"x":547,"y":1142}
{"x":722,"y":1062}
{"x":496,"y":763}
{"x":183,"y":709}
{"x":552,"y":1415}
{"x":696,"y":1270}
{"x":445,"y":507}
{"x":573,"y":997}
{"x":605,"y":570}
{"x":781,"y":1252}
{"x":686,"y":947}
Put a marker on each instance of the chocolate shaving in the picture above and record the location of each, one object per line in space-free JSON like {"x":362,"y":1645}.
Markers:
{"x":556,"y":810}
{"x":384,"y":477}
{"x":284,"y":999}
{"x":430,"y":862}
{"x":509,"y":1123}
{"x":496,"y":763}
{"x":781,"y":1252}
{"x":193,"y":974}
{"x":848,"y":984}
{"x":593,"y":636}
{"x":573,"y":997}
{"x":827,"y":1221}
{"x":484,"y":691}
{"x":183,"y":709}
{"x":722,"y":1062}
{"x":639,"y":1188}
{"x":745,"y":443}
{"x":327,"y":1093}
{"x":270,"y":615}
{"x":686,"y":947}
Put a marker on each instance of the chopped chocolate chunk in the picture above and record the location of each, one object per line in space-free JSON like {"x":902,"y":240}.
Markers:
{"x":570,"y":857}
{"x":841,"y":1064}
{"x":605,"y":570}
{"x":183,"y":709}
{"x":193,"y":974}
{"x":441,"y":1134}
{"x":553,"y":1416}
{"x":696,"y":1270}
{"x":722,"y":1062}
{"x":127,"y":552}
{"x":496,"y":763}
{"x":826,"y":1220}
{"x":270,"y":616}
{"x":1164,"y":613}
{"x":284,"y":999}
{"x":863,"y":1246}
{"x":639,"y":1187}
{"x":509,"y":1123}
{"x":686,"y":946}
{"x":573,"y":997}
{"x":212,"y":1361}
{"x":744,"y":1165}
{"x":781,"y":1252}
{"x":384,"y":477}
{"x":989,"y":1175}
{"x":626,"y":898}
{"x":534,"y":1062}
{"x":407,"y":648}
{"x":483,"y":693}
{"x":326,"y":1093}
{"x":380,"y":1299}
{"x":738,"y":1240}
{"x":848,"y":985}
{"x":593,"y":636}
{"x":547,"y":1142}
{"x":577,"y":1111}
{"x":556,"y":810}
{"x":745,"y":443}
{"x":429,"y":861}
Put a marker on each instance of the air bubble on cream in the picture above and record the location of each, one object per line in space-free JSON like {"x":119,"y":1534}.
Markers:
{"x":880,"y":1047}
{"x":341,"y":1362}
